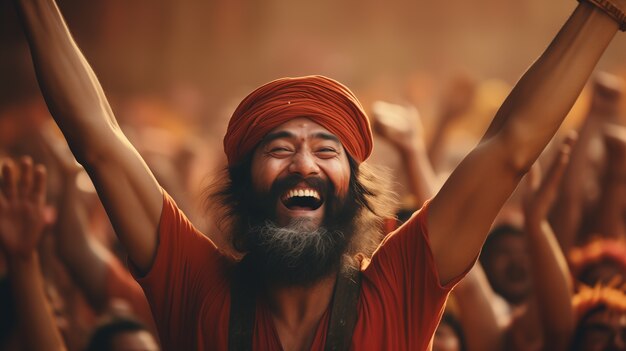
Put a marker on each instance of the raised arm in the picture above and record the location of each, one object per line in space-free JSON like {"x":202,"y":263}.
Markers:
{"x":453,"y":104}
{"x":22,"y":200}
{"x":474,"y":298}
{"x":582,"y":174}
{"x":461,"y":213}
{"x":608,"y":219}
{"x":402,"y":127}
{"x":126,"y":187}
{"x":552,"y":284}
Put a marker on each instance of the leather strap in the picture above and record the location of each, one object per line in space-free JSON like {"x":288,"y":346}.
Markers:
{"x":343,"y":314}
{"x":242,"y":312}
{"x":344,"y":311}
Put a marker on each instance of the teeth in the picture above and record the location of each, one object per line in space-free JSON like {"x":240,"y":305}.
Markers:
{"x":302,"y":193}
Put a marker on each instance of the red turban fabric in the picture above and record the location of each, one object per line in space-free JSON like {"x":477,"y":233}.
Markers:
{"x":323,"y":100}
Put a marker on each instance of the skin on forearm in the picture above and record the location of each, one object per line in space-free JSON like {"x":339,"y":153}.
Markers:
{"x":552,"y":285}
{"x":435,"y":146}
{"x":422,"y":178}
{"x":521,"y":129}
{"x":609,"y":216}
{"x":544,"y":95}
{"x":36,"y":323}
{"x":68,"y":84}
{"x":474,"y":297}
{"x":566,"y":214}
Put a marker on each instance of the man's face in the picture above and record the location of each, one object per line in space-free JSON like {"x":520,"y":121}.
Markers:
{"x":603,"y":330}
{"x":446,"y":338}
{"x":300,"y":217}
{"x":296,"y":164}
{"x":508,"y":268}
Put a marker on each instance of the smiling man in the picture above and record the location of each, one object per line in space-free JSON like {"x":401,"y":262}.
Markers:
{"x":302,"y":206}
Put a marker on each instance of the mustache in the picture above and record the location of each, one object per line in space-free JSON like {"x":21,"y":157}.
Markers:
{"x":280,"y":186}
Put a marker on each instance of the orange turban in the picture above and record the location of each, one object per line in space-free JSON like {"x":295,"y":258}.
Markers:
{"x":323,"y":100}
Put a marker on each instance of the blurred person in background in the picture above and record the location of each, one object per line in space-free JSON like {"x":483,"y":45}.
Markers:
{"x":22,"y":223}
{"x":601,"y":319}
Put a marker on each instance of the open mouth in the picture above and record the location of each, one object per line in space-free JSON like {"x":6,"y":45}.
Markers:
{"x":302,"y":199}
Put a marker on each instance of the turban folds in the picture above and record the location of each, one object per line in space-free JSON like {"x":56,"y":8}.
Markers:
{"x":322,"y":100}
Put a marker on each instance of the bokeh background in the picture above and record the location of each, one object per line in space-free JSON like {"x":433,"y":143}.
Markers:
{"x":189,"y":62}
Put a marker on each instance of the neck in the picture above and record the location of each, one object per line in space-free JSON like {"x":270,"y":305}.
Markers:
{"x":297,"y":310}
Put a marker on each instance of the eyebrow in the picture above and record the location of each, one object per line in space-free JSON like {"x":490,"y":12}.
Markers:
{"x":283,"y":134}
{"x":326,"y":136}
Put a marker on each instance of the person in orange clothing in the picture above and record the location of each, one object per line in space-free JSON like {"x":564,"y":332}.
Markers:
{"x":297,"y":195}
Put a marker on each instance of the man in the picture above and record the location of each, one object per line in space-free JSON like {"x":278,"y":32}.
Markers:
{"x":300,"y":174}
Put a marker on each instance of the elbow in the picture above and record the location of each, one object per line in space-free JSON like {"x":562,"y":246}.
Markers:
{"x":520,"y":149}
{"x":517,"y":158}
{"x":93,"y":150}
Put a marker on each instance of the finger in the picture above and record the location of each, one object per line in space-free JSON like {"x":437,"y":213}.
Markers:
{"x":550,"y":184}
{"x":533,"y":177}
{"x":25,"y":182}
{"x":39,"y":188}
{"x":9,"y":188}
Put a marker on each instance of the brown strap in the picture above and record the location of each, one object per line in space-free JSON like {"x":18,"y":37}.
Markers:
{"x":344,"y":311}
{"x":242,"y":312}
{"x":343,"y":314}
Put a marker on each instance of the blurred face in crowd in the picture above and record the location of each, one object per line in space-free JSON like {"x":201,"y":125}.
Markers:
{"x":446,"y":338}
{"x":603,"y":330}
{"x":134,"y":341}
{"x":300,"y":209}
{"x":507,"y":266}
{"x":601,"y":272}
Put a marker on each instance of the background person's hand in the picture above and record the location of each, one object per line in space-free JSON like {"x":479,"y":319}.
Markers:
{"x":399,"y":125}
{"x":22,"y":204}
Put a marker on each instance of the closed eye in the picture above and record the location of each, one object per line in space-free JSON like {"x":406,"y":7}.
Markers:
{"x":326,"y":152}
{"x":280,"y":151}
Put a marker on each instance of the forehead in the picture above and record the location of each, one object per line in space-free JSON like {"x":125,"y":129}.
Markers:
{"x":301,"y":126}
{"x":607,"y":316}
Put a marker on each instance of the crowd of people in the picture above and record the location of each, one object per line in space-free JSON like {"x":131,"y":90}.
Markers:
{"x":549,"y":275}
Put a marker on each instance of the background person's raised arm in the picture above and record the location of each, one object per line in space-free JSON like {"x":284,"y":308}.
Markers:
{"x":126,"y":187}
{"x":462,"y":212}
{"x":22,"y":222}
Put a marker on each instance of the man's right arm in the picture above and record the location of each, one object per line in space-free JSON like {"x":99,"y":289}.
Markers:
{"x":128,"y":190}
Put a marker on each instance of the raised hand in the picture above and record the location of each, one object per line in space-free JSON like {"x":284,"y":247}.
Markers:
{"x":400,"y":125}
{"x":456,"y":99}
{"x":542,"y":193}
{"x":22,"y":202}
{"x":607,"y":93}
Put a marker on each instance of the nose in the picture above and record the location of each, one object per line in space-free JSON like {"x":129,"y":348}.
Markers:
{"x":304,"y":164}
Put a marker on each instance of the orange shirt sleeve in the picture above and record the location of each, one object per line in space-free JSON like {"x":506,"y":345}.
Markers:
{"x":188,"y":271}
{"x":402,"y":300}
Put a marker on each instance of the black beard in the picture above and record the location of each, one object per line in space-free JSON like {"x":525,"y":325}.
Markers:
{"x":298,"y":254}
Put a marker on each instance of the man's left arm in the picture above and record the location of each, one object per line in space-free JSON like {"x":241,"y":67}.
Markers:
{"x":461,"y":214}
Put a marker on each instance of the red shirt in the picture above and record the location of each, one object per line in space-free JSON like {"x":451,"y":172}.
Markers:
{"x":188,"y":288}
